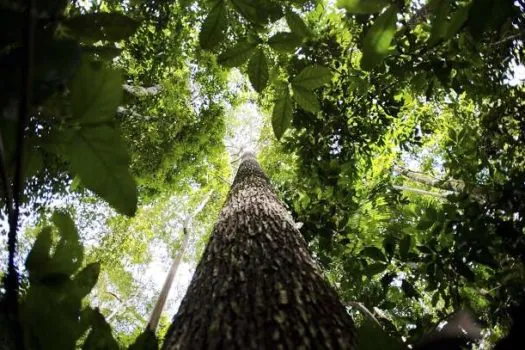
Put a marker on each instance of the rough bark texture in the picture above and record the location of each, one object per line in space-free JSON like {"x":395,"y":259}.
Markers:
{"x":256,"y":286}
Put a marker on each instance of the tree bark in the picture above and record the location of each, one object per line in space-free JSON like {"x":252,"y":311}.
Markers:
{"x":256,"y":286}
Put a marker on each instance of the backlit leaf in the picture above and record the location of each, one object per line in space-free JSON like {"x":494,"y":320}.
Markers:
{"x":214,"y":27}
{"x":376,"y":43}
{"x":297,"y":25}
{"x":284,"y":42}
{"x":102,"y":26}
{"x":237,"y":55}
{"x":258,"y":70}
{"x":98,"y":156}
{"x":96,"y":92}
{"x":313,"y":77}
{"x":363,"y":6}
{"x":282,"y":113}
{"x":306,"y":99}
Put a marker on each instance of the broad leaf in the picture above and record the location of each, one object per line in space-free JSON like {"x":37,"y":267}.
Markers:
{"x":409,"y":290}
{"x":214,"y":27}
{"x":98,"y":156}
{"x":258,"y":70}
{"x":297,"y":25}
{"x":284,"y":42}
{"x":237,"y":55}
{"x":375,"y":268}
{"x":363,"y":6}
{"x":145,"y":341}
{"x":85,"y":280}
{"x":439,"y":21}
{"x":99,"y":336}
{"x":96,"y":92}
{"x":404,"y":247}
{"x":306,"y":99}
{"x":372,"y":337}
{"x":69,"y":253}
{"x":102,"y":26}
{"x":376,"y":43}
{"x":38,"y":258}
{"x":282,"y":112}
{"x":373,"y":253}
{"x":312,"y":77}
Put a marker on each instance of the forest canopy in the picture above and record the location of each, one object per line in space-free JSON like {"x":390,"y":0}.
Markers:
{"x":392,"y":130}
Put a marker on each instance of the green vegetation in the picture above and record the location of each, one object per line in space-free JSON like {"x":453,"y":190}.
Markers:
{"x":392,"y":129}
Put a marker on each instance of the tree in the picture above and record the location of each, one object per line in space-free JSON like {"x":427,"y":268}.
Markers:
{"x":256,"y":285}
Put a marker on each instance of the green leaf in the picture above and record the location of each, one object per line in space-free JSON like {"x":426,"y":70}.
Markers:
{"x":409,"y":290}
{"x":96,"y":92}
{"x":439,"y":21}
{"x":102,"y":26}
{"x":376,"y":43}
{"x":104,"y":52}
{"x":372,"y":337}
{"x":466,"y":272}
{"x":306,"y":99}
{"x":257,"y":11}
{"x":284,"y":41}
{"x":145,"y":341}
{"x":458,"y":19}
{"x":363,"y":6}
{"x":258,"y":70}
{"x":297,"y":25}
{"x":312,"y":77}
{"x":373,"y":253}
{"x":69,"y":253}
{"x":282,"y":113}
{"x":237,"y":55}
{"x":85,"y":280}
{"x":98,"y":156}
{"x":38,"y":258}
{"x":100,"y":337}
{"x":214,"y":27}
{"x":404,"y":247}
{"x":375,"y":268}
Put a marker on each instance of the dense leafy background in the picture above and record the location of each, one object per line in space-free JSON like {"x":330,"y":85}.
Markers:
{"x":393,"y":130}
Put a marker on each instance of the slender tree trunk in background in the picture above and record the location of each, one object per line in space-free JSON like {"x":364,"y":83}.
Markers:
{"x":161,"y":301}
{"x":163,"y":296}
{"x":256,"y":286}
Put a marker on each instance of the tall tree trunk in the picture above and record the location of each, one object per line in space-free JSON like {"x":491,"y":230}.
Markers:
{"x":256,"y":286}
{"x":161,"y":301}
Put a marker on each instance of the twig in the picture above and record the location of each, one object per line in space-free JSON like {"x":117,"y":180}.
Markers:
{"x":504,"y":40}
{"x":364,"y":310}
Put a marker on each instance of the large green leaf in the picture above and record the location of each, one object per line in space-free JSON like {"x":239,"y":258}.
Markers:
{"x":145,"y":341}
{"x":376,"y":43}
{"x":85,"y":280}
{"x":258,"y":70}
{"x":284,"y":41}
{"x":297,"y":25}
{"x":363,"y":6}
{"x":237,"y":55}
{"x":312,"y":77}
{"x":102,"y":26}
{"x":99,"y":337}
{"x":373,"y":253}
{"x":257,"y":11}
{"x":69,"y":252}
{"x":96,"y":92}
{"x":372,"y":337}
{"x":214,"y":27}
{"x":99,"y":157}
{"x":306,"y":99}
{"x":439,"y":21}
{"x":282,"y":112}
{"x":39,"y":257}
